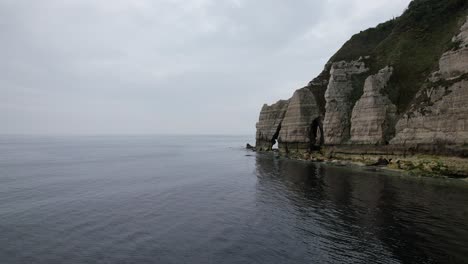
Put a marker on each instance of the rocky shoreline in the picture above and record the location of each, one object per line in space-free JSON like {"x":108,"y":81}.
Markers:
{"x":397,"y":93}
{"x":425,"y":165}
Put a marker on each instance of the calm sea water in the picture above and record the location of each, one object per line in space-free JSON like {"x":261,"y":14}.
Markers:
{"x":200,"y":199}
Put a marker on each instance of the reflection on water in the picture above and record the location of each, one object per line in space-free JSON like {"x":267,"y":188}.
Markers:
{"x":353,"y":214}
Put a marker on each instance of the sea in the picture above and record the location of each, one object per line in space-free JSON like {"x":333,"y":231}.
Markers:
{"x":206,"y":199}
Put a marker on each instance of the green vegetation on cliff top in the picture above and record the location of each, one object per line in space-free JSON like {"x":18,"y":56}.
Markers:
{"x":411,"y":43}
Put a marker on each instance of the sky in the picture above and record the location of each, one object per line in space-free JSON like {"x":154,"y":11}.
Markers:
{"x":165,"y":66}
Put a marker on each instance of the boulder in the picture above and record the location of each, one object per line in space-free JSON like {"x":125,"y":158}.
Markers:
{"x":250,"y":147}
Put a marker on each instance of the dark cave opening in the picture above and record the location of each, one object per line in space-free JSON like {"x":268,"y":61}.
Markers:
{"x":316,"y":138}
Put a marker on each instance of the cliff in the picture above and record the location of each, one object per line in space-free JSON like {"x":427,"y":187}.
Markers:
{"x":269,"y":124}
{"x":401,"y":86}
{"x":439,"y":113}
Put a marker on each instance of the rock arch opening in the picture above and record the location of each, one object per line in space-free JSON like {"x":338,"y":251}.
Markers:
{"x":274,"y":139}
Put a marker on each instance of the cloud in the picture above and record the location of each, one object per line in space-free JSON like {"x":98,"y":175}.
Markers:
{"x":145,"y":66}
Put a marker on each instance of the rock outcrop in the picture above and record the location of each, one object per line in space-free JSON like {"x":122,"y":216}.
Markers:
{"x":339,"y":101}
{"x":454,"y":63}
{"x":440,"y":118}
{"x":379,"y":93}
{"x":373,"y":117}
{"x":269,"y":124}
{"x":301,"y":124}
{"x":439,"y":114}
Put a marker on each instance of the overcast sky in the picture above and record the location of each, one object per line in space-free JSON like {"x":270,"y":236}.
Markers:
{"x":165,"y":66}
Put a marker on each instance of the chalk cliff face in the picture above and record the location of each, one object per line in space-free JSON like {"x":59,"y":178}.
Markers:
{"x":269,"y":124}
{"x":441,"y":119}
{"x":439,"y":114}
{"x":339,"y":103}
{"x":298,"y":130}
{"x":454,"y":63}
{"x":401,"y":84}
{"x":374,"y":115}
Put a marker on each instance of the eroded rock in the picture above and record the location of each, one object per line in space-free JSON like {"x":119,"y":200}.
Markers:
{"x":442,"y":119}
{"x":373,"y":116}
{"x":298,"y":130}
{"x":339,"y":103}
{"x":269,"y":124}
{"x":354,"y":109}
{"x":250,"y":147}
{"x":455,"y":63}
{"x":440,"y":112}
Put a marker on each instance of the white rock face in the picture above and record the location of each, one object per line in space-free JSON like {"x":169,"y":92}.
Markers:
{"x":441,"y":116}
{"x":338,"y":106}
{"x":438,"y":115}
{"x":454,"y":63}
{"x":443,"y":120}
{"x":269,"y":124}
{"x":373,"y":116}
{"x":302,"y":111}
